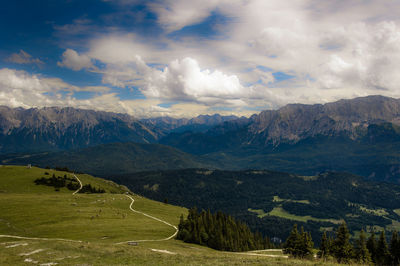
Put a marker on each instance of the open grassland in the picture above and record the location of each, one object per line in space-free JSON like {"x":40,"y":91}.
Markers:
{"x":40,"y":211}
{"x":280,"y":212}
{"x":278,"y":199}
{"x":97,"y":222}
{"x":170,"y":252}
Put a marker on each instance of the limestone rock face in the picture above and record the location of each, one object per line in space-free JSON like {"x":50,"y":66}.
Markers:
{"x":53,"y":128}
{"x":294,"y":122}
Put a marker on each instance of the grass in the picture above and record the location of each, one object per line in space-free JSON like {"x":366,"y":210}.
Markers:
{"x":377,"y":212}
{"x":260,"y":213}
{"x":143,"y":254}
{"x":63,"y":215}
{"x":278,"y":199}
{"x":397,"y":211}
{"x":280,"y":212}
{"x":99,"y":221}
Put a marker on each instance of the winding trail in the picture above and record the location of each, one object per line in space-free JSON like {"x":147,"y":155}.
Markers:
{"x":151,"y":217}
{"x":258,"y":254}
{"x":41,"y":238}
{"x":79,"y":183}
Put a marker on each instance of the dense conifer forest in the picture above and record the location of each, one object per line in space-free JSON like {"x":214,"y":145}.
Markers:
{"x":219,"y":231}
{"x":339,"y":247}
{"x":271,"y":202}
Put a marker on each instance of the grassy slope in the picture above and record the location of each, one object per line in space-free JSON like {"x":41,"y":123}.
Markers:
{"x":99,"y":220}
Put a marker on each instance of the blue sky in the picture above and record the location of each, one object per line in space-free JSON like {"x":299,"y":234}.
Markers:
{"x":186,"y":58}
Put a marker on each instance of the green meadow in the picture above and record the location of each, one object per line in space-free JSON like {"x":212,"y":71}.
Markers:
{"x":97,"y":223}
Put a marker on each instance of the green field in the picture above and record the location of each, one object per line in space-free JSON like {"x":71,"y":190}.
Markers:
{"x":278,"y":199}
{"x":97,"y":222}
{"x":280,"y":212}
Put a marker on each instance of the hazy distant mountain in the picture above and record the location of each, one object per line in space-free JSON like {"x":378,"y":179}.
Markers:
{"x":53,"y":128}
{"x":165,"y":125}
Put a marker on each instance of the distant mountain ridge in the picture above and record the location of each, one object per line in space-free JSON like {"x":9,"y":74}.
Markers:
{"x":292,"y":123}
{"x":53,"y":128}
{"x":361,"y":136}
{"x":165,"y":125}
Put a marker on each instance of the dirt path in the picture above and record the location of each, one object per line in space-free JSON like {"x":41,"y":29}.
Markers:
{"x":151,"y":217}
{"x":258,"y":254}
{"x":79,"y":183}
{"x":39,"y":238}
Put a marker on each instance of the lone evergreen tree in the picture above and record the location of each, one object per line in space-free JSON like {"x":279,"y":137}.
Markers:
{"x":324,"y":246}
{"x":290,"y":245}
{"x":371,"y":245}
{"x":395,"y":248}
{"x":342,"y":248}
{"x":382,"y":251}
{"x":299,"y":245}
{"x":361,"y":250}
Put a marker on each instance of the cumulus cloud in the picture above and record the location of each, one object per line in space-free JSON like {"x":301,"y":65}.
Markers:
{"x":333,"y":50}
{"x":367,"y":60}
{"x":184,"y":80}
{"x":21,"y":89}
{"x":24,"y":58}
{"x":71,"y":59}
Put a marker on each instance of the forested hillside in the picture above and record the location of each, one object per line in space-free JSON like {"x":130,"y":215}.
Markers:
{"x":271,"y":202}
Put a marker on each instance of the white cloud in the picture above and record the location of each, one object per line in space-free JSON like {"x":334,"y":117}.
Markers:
{"x":175,"y":14}
{"x":71,"y":59}
{"x":24,"y":58}
{"x":20,"y":89}
{"x":334,"y":49}
{"x":184,"y":80}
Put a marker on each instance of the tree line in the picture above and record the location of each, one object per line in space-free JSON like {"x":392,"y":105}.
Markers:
{"x":58,"y":182}
{"x":339,"y":247}
{"x":219,"y":231}
{"x":70,"y":183}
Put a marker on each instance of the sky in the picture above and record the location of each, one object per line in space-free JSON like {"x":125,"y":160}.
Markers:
{"x":183,"y":58}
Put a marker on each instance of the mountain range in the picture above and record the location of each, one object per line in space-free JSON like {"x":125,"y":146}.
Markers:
{"x":360,"y":135}
{"x":53,"y":128}
{"x":294,"y":123}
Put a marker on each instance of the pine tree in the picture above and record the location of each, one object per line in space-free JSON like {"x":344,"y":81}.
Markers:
{"x":324,"y":246}
{"x":382,"y":251}
{"x":309,"y":245}
{"x":290,"y":245}
{"x":371,"y":245}
{"x":361,"y":250}
{"x":299,"y":244}
{"x":342,"y":248}
{"x":395,"y":248}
